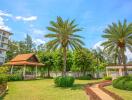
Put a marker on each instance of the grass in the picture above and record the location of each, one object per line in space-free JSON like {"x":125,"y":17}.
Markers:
{"x":45,"y":90}
{"x":126,"y":95}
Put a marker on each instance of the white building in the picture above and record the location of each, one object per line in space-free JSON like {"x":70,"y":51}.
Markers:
{"x":4,"y":37}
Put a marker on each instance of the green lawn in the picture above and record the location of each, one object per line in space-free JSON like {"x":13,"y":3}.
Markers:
{"x":45,"y":90}
{"x":126,"y":95}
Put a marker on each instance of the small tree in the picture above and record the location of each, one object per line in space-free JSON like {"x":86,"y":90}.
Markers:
{"x":82,"y":60}
{"x":47,"y":59}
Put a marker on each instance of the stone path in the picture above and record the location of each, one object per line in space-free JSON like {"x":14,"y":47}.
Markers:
{"x":100,"y":93}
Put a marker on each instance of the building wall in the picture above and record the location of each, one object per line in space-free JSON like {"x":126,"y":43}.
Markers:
{"x":4,"y":37}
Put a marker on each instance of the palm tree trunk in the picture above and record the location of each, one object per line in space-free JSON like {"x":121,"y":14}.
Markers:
{"x":124,"y":61}
{"x":64,"y":61}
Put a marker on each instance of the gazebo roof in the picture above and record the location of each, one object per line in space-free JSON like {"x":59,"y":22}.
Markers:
{"x":25,"y":59}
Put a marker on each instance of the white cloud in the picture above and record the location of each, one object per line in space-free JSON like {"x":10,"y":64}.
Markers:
{"x":98,"y":44}
{"x":30,"y":18}
{"x":4,"y":14}
{"x":38,"y":41}
{"x":38,"y":31}
{"x":2,"y":23}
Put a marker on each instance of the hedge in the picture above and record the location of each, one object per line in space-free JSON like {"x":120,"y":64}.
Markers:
{"x":124,"y":83}
{"x":64,"y":81}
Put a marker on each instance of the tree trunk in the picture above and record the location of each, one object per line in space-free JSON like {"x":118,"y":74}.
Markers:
{"x":97,"y":72}
{"x":119,"y":58}
{"x":48,"y":72}
{"x":64,"y":61}
{"x":124,"y":61}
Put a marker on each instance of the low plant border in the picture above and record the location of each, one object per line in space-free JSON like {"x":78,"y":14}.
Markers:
{"x":113,"y":95}
{"x":3,"y":92}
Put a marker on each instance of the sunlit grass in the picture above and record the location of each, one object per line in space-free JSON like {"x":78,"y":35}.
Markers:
{"x":126,"y":95}
{"x":45,"y":90}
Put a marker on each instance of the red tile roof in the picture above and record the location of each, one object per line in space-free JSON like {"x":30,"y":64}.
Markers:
{"x":22,"y":59}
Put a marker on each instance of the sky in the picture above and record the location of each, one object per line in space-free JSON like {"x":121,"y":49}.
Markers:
{"x":31,"y":17}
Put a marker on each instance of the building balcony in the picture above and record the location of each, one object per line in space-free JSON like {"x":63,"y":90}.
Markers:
{"x":3,"y":48}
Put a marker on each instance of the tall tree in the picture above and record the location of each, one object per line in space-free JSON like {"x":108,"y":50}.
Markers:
{"x":63,"y":36}
{"x":118,"y":35}
{"x":29,"y":43}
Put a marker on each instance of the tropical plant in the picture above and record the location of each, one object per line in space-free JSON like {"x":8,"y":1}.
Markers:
{"x":29,"y":44}
{"x":47,"y":59}
{"x":118,"y":36}
{"x":98,"y":60}
{"x":82,"y":61}
{"x":63,"y":37}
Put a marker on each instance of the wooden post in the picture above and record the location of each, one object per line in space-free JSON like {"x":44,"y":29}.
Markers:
{"x":36,"y":71}
{"x":12,"y":69}
{"x":24,"y":71}
{"x":107,"y":71}
{"x":120,"y":72}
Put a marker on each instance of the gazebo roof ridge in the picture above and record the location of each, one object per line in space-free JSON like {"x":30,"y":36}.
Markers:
{"x":23,"y":57}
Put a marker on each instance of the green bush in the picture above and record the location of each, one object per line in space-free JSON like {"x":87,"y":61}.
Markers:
{"x":108,"y":78}
{"x":64,"y":81}
{"x":87,"y":77}
{"x":124,"y":83}
{"x":3,"y":78}
{"x":15,"y":77}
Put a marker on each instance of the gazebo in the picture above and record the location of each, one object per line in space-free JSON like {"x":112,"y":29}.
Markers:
{"x":24,"y":60}
{"x":118,"y":70}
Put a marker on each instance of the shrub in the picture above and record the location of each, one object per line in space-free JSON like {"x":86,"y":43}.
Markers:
{"x":87,"y":77}
{"x":3,"y":78}
{"x":108,"y":78}
{"x":128,"y":85}
{"x":3,"y":74}
{"x":64,"y":81}
{"x":15,"y":77}
{"x":124,"y":83}
{"x":3,"y":69}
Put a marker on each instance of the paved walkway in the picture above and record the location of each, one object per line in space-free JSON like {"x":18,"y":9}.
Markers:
{"x":100,"y":93}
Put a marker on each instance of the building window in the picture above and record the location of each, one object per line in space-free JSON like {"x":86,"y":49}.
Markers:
{"x":1,"y":45}
{"x":0,"y":52}
{"x":1,"y":59}
{"x":1,"y":32}
{"x":3,"y":39}
{"x":4,"y":34}
{"x":0,"y":37}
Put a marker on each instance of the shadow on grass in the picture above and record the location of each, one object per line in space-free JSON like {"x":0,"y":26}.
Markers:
{"x":74,"y":87}
{"x":78,"y":87}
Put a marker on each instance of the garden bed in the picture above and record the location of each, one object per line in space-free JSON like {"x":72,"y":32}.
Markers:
{"x":3,"y":88}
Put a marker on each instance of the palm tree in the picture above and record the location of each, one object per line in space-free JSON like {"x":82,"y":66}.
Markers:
{"x":63,"y":36}
{"x":118,"y":36}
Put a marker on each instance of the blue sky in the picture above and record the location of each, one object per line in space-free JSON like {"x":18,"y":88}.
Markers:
{"x":33,"y":16}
